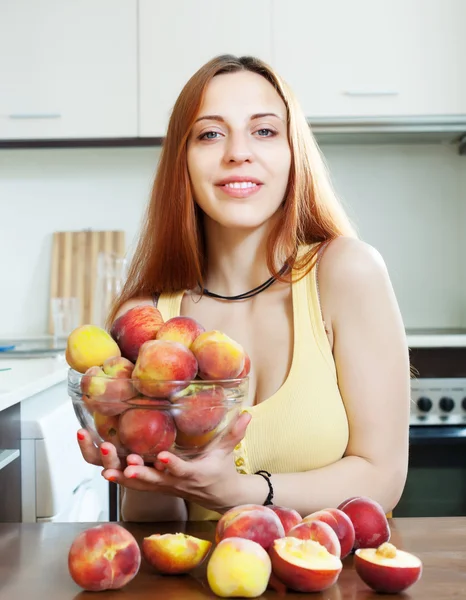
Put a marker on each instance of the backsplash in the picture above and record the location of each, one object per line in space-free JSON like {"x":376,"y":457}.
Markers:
{"x":409,"y":201}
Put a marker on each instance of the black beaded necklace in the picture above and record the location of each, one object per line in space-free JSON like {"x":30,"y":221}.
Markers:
{"x":257,"y":290}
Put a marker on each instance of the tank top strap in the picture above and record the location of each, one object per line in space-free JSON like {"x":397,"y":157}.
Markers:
{"x":169,"y":304}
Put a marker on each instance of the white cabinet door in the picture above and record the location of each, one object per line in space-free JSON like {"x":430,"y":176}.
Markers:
{"x":373,"y":57}
{"x":177,"y":37}
{"x":68,"y":69}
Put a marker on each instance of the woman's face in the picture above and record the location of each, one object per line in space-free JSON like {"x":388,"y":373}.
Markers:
{"x":238,"y":152}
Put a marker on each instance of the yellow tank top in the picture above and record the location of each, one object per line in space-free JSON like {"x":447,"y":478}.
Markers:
{"x":303,"y":426}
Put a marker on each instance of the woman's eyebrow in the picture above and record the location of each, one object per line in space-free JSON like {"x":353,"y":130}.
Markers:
{"x":254,"y":116}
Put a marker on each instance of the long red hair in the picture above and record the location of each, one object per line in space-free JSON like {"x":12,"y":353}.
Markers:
{"x":170,"y":255}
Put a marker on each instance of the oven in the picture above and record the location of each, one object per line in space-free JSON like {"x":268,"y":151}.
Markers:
{"x":436,"y":481}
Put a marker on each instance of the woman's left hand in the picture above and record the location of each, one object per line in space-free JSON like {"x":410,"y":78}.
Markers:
{"x":211,"y":481}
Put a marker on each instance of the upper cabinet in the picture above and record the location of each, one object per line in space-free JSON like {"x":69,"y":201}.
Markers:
{"x":68,"y":69}
{"x":364,"y":58}
{"x":176,"y":38}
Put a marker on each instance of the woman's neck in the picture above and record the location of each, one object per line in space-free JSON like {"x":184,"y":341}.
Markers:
{"x":236,"y":259}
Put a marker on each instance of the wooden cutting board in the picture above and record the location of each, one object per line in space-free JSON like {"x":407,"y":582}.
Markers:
{"x":74,"y":266}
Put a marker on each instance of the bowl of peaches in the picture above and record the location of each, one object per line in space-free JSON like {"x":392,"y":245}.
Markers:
{"x":149,"y":385}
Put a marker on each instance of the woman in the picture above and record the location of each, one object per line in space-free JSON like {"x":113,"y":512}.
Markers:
{"x":241,"y":192}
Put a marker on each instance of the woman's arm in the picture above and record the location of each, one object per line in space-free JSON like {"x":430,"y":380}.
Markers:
{"x":372,"y":363}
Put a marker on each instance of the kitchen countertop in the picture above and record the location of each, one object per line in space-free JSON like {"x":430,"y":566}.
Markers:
{"x":29,"y":376}
{"x":33,"y":563}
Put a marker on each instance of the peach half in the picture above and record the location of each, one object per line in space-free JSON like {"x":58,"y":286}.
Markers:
{"x":250,"y":521}
{"x":341,"y":525}
{"x":387,"y":569}
{"x":105,"y":557}
{"x":304,"y":565}
{"x":318,"y":531}
{"x":174,"y":553}
{"x":238,"y":568}
{"x":288,"y":516}
{"x":369,"y":521}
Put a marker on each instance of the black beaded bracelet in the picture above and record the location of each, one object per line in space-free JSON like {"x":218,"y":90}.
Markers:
{"x":266,"y":475}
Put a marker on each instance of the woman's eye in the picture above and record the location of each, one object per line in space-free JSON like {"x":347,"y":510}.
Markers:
{"x":209,"y":135}
{"x":266,"y":132}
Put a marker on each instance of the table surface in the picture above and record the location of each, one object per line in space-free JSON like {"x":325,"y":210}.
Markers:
{"x":33,"y":563}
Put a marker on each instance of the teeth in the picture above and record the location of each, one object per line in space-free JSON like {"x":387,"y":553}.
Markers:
{"x":240,"y":184}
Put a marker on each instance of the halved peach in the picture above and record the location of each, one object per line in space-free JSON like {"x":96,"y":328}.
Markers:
{"x":174,"y":553}
{"x":386,"y":569}
{"x":304,"y":565}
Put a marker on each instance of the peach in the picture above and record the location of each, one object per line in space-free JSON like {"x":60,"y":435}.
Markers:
{"x":105,"y":557}
{"x":194,"y":441}
{"x":174,"y":553}
{"x":218,"y":356}
{"x":107,"y":428}
{"x":251,"y":521}
{"x":387,"y":569}
{"x":288,"y":516}
{"x":146,"y":431}
{"x":159,"y":364}
{"x":180,"y":329}
{"x":304,"y":565}
{"x":89,"y":346}
{"x":199,"y":409}
{"x":369,"y":521}
{"x":319,"y":532}
{"x":109,"y":386}
{"x":238,"y":568}
{"x":341,"y":525}
{"x":134,"y":327}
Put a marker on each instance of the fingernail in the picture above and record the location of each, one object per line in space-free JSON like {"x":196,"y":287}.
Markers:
{"x":81,"y":436}
{"x":133,"y":475}
{"x":111,"y":478}
{"x":104,"y":451}
{"x":165,"y":461}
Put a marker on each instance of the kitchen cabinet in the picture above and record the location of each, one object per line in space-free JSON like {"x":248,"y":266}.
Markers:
{"x":178,"y":37}
{"x":364,"y":58}
{"x":68,"y":69}
{"x":10,"y":465}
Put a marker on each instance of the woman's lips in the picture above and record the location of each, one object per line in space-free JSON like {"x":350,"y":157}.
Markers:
{"x":240,"y":192}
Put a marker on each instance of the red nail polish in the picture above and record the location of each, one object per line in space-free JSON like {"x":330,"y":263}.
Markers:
{"x":133,"y":475}
{"x":111,"y":478}
{"x":164,"y":460}
{"x":81,"y":436}
{"x":104,"y":451}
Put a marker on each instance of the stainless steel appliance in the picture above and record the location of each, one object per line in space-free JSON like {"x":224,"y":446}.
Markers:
{"x":436,"y":482}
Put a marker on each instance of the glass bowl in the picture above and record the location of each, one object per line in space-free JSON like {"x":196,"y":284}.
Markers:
{"x":145,"y":417}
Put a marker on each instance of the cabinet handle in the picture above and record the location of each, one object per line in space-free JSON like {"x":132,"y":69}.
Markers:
{"x":35,"y":116}
{"x":7,"y":456}
{"x":362,"y":92}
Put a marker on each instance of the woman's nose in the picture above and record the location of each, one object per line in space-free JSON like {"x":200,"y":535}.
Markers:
{"x":238,"y":148}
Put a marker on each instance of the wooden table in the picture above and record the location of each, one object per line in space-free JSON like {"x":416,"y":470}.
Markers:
{"x":33,"y":564}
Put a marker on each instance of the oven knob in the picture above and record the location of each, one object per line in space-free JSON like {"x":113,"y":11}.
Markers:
{"x":463,"y":403}
{"x":446,"y":404}
{"x":424,"y":404}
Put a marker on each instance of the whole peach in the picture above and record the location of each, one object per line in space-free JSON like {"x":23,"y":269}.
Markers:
{"x":105,"y":557}
{"x":370,"y":524}
{"x":238,"y":568}
{"x":250,"y":521}
{"x":134,"y":327}
{"x":288,"y":516}
{"x":89,"y":346}
{"x":107,"y":428}
{"x":146,"y":431}
{"x":159,"y":364}
{"x":247,"y":366}
{"x":180,"y":329}
{"x":109,"y":386}
{"x":341,"y":525}
{"x":218,"y":356}
{"x":199,"y":409}
{"x":319,"y":532}
{"x":174,"y":553}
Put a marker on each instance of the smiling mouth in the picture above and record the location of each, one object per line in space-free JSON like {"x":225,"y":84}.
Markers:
{"x":240,"y":189}
{"x":240,"y":185}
